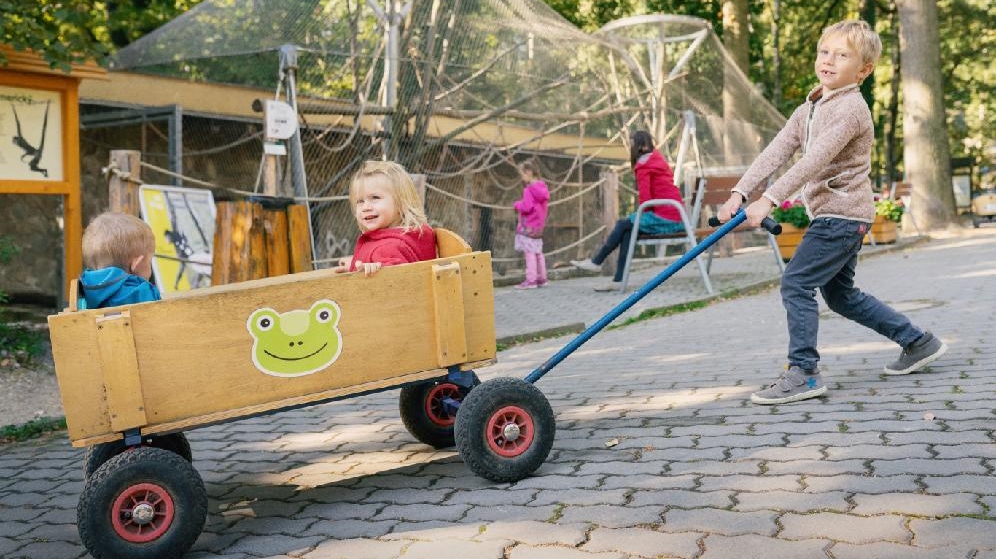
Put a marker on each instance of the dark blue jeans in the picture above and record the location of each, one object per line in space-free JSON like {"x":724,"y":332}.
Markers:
{"x":826,"y":259}
{"x":618,"y":238}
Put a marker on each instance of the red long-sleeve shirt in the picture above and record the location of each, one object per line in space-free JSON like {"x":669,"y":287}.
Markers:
{"x":394,"y":246}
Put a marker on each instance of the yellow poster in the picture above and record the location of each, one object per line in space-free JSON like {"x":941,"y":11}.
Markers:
{"x":182,"y":220}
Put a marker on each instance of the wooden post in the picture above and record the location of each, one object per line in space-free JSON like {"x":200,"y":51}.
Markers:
{"x":277,"y":243}
{"x":221,"y":270}
{"x":123,"y":192}
{"x":610,"y":207}
{"x":300,"y":238}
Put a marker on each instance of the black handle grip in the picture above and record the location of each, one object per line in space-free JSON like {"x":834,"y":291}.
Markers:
{"x":770,"y":225}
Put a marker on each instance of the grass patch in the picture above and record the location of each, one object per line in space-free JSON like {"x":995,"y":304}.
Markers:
{"x":660,"y":312}
{"x":31,"y":429}
{"x":20,"y":342}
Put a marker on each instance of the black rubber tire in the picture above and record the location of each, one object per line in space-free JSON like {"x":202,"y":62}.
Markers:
{"x":422,"y":413}
{"x":476,"y":437}
{"x":125,"y":474}
{"x":97,"y":455}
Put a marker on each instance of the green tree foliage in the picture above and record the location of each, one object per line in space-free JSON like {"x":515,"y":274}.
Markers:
{"x":73,"y":31}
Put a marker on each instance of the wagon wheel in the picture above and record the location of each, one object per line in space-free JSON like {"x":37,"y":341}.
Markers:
{"x":98,"y":454}
{"x":505,"y":429}
{"x":423,"y":412}
{"x":149,"y":503}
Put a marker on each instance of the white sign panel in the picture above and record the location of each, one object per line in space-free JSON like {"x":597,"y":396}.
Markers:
{"x":30,"y":134}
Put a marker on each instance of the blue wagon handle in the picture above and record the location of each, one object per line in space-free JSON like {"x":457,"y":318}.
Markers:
{"x":769,"y":224}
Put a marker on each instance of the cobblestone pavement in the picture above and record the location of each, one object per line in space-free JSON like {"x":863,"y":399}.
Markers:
{"x":658,"y":451}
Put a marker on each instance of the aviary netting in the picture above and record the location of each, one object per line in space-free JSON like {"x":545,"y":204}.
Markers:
{"x":458,"y":91}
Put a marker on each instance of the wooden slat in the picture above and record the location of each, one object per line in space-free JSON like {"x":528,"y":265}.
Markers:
{"x":119,"y":365}
{"x":449,"y":243}
{"x":447,"y":294}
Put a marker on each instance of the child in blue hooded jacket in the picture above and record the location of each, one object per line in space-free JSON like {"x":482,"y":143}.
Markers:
{"x":117,"y":255}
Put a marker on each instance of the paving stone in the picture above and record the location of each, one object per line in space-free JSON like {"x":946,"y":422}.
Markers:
{"x":845,"y":527}
{"x":642,"y":542}
{"x":885,"y":550}
{"x":749,"y":483}
{"x":917,"y":504}
{"x":966,"y":451}
{"x":455,"y":548}
{"x":558,"y":482}
{"x":928,"y":466}
{"x":954,"y":531}
{"x":436,"y":530}
{"x":356,"y":549}
{"x":581,"y":497}
{"x":534,"y":533}
{"x":612,"y":516}
{"x":792,"y":501}
{"x":758,"y":547}
{"x":779,"y":453}
{"x":643,"y":481}
{"x":682,"y":499}
{"x":38,"y":550}
{"x":621,"y":468}
{"x":422,"y":513}
{"x":9,"y":545}
{"x":554,"y":552}
{"x":817,"y":467}
{"x":835,"y":439}
{"x":351,"y":528}
{"x":936,"y":437}
{"x":504,"y":513}
{"x":879,"y":451}
{"x":718,"y":521}
{"x":861,"y":484}
{"x":742,"y":441}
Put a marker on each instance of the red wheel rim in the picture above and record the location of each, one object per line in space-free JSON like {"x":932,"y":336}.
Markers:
{"x":510,"y":431}
{"x":142,"y":513}
{"x":434,"y":408}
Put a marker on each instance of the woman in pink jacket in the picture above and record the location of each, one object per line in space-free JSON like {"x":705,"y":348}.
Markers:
{"x":532,"y":209}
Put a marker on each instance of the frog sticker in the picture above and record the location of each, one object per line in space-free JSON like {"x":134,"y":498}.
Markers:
{"x":298,"y":342}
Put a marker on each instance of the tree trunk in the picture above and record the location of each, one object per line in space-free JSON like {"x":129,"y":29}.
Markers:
{"x":926,"y":154}
{"x":735,"y":103}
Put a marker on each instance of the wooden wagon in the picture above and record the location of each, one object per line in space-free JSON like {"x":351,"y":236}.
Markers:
{"x":133,"y":378}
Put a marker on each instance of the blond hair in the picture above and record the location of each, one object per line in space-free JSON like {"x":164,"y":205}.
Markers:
{"x":115,"y":239}
{"x":402,"y":188}
{"x":859,"y":35}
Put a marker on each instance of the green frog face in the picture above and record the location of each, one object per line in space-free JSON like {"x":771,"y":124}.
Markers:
{"x":297,"y":342}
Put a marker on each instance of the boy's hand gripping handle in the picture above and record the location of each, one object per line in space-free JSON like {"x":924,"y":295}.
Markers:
{"x":770,"y":225}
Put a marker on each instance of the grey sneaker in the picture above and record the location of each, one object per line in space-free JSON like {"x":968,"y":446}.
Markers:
{"x":792,"y":386}
{"x":924,"y":351}
{"x":587,"y":265}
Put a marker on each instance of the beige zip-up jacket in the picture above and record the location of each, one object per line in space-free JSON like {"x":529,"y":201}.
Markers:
{"x":835,"y":135}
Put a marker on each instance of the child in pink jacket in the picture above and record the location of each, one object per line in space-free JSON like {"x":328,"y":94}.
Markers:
{"x":532,"y":209}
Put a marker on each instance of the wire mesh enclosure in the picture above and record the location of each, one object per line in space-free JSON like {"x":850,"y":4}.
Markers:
{"x":458,"y":91}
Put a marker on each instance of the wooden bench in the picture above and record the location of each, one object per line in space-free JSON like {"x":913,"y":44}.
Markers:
{"x":717,"y":192}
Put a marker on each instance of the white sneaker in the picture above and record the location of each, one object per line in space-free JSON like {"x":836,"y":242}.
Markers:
{"x":587,"y":265}
{"x":607,"y":287}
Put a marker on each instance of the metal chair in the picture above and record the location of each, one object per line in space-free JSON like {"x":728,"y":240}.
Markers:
{"x":686,"y":237}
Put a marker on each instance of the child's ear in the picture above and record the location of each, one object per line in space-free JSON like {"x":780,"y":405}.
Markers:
{"x":865,"y":71}
{"x":135,"y":263}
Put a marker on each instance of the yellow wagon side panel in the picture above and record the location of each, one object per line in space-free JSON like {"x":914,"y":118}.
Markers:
{"x":200,"y":355}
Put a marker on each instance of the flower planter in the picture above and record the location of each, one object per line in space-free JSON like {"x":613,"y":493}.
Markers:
{"x":789,"y":239}
{"x":883,"y":230}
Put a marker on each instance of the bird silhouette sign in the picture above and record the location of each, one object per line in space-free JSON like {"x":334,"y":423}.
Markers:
{"x":30,"y":134}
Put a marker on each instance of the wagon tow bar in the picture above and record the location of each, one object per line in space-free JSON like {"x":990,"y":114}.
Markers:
{"x":769,"y":224}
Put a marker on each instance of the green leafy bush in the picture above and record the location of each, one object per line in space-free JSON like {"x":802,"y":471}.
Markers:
{"x":16,"y":341}
{"x":792,"y":212}
{"x":890,"y":209}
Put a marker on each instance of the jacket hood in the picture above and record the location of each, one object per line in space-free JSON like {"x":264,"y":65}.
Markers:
{"x":539,"y":191}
